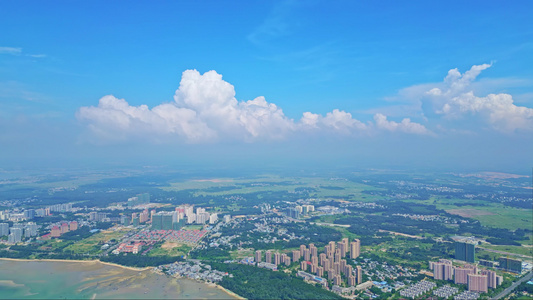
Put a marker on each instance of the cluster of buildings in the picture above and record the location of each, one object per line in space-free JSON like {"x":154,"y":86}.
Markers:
{"x":299,"y":210}
{"x":331,"y":262}
{"x":18,"y":231}
{"x":170,"y":220}
{"x":445,"y":291}
{"x":28,"y":214}
{"x":193,"y":270}
{"x":130,"y":247}
{"x":139,"y":199}
{"x":58,"y":230}
{"x":468,"y":274}
{"x":418,"y":289}
{"x":178,"y":236}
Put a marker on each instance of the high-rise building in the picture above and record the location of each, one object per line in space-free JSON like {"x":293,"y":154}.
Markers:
{"x":55,"y":232}
{"x":337,"y":280}
{"x":359,"y":273}
{"x":313,"y":249}
{"x":348,"y":270}
{"x":191,"y":218}
{"x":511,"y":265}
{"x":296,"y":255}
{"x":292,"y":212}
{"x":351,"y":280}
{"x":338,"y":255}
{"x":30,"y":230}
{"x":258,"y":256}
{"x":331,"y":274}
{"x":307,"y":254}
{"x":64,"y":228}
{"x":461,"y":274}
{"x":29,"y":214}
{"x":302,"y":249}
{"x":343,"y":249}
{"x":491,"y":278}
{"x":201,"y":217}
{"x":15,"y":235}
{"x":477,"y":283}
{"x":285,"y":259}
{"x":303,"y":266}
{"x":320,"y":271}
{"x":443,"y":271}
{"x":166,"y":222}
{"x":355,"y":248}
{"x":268,"y":256}
{"x":213,"y":218}
{"x":465,"y":252}
{"x":4,"y":229}
{"x":277,"y":258}
{"x":157,"y":222}
{"x":124,"y":220}
{"x":314,"y":261}
{"x":322,"y":257}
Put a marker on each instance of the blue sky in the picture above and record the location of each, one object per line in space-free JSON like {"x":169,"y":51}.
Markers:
{"x":371,"y":78}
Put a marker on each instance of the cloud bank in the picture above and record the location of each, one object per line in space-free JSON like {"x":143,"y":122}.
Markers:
{"x":205,"y":110}
{"x":456,"y":99}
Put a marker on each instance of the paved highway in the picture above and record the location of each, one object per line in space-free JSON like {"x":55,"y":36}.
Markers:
{"x":514,"y":285}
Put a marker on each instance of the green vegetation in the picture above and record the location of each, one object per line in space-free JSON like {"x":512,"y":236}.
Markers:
{"x":256,"y":283}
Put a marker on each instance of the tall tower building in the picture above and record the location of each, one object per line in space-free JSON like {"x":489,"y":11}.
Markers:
{"x":355,"y":248}
{"x":477,"y":283}
{"x":359,"y":273}
{"x":268,"y":256}
{"x":465,"y":252}
{"x":258,"y":256}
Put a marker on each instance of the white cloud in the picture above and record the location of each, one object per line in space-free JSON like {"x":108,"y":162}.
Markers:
{"x":205,"y":110}
{"x":337,"y":120}
{"x":10,"y":50}
{"x":457,"y":99}
{"x":404,"y":126}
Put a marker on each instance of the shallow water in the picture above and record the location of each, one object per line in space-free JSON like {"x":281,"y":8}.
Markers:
{"x":88,"y":280}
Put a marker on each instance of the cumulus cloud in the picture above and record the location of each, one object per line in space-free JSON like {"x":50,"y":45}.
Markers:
{"x":205,"y":110}
{"x":404,"y":126}
{"x":336,"y":120}
{"x":457,"y":98}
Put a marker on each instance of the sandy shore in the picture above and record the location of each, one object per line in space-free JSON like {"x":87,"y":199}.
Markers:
{"x":230,"y":293}
{"x":225,"y":290}
{"x":80,"y":261}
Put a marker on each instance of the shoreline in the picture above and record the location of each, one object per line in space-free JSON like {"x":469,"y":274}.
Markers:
{"x":210,"y":284}
{"x":81,"y":261}
{"x":225,"y":290}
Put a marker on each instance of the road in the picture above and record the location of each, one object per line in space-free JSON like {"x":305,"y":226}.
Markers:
{"x":505,"y":253}
{"x":514,"y":285}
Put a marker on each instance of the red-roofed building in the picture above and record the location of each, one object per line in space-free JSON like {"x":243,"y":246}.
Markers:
{"x":46,"y":237}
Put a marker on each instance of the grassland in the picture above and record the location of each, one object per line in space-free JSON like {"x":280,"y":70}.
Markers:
{"x":92,"y":244}
{"x":318,"y":187}
{"x":170,"y":249}
{"x":488,"y":213}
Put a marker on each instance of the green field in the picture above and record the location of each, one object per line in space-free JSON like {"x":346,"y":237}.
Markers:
{"x":93,"y":243}
{"x":324,"y":187}
{"x":170,"y":249}
{"x":488,"y":213}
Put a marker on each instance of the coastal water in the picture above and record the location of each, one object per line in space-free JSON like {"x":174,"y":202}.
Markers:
{"x":95,"y":280}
